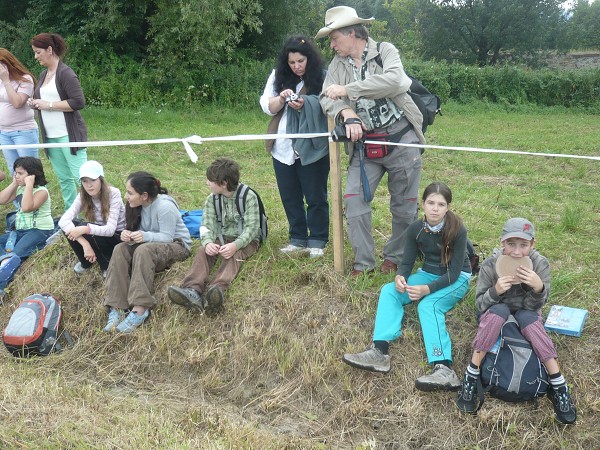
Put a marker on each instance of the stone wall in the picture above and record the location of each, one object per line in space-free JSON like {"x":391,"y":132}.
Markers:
{"x":578,"y":60}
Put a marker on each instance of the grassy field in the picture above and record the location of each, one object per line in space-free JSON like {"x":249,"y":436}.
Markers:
{"x":267,"y":373}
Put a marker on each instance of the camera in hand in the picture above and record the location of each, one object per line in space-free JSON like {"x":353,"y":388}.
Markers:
{"x":291,"y":98}
{"x":339,"y":134}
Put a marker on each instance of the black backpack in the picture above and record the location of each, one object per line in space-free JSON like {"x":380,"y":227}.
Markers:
{"x":241,"y":195}
{"x":429,"y":104}
{"x":513,"y":372}
{"x":473,"y":257}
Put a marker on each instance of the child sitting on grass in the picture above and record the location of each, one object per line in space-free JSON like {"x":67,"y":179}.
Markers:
{"x":94,"y":239}
{"x":33,"y":220}
{"x":155,"y":237}
{"x":522,"y":296}
{"x":440,"y":238}
{"x":239,"y":239}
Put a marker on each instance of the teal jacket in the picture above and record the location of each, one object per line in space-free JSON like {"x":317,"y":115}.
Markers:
{"x":309,"y":119}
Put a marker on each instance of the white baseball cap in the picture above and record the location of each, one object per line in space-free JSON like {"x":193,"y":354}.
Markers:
{"x":91,"y":169}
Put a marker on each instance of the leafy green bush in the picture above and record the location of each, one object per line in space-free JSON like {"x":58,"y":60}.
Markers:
{"x":510,"y":84}
{"x":116,"y":81}
{"x":112,"y":81}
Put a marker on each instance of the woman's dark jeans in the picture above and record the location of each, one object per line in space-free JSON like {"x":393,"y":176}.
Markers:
{"x":309,"y":225}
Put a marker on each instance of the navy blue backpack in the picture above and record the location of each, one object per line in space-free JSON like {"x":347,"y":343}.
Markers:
{"x":513,"y":372}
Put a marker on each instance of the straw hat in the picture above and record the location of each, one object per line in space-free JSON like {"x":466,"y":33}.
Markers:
{"x":340,"y":17}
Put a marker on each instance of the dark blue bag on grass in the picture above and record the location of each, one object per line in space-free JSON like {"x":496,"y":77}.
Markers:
{"x":513,"y":372}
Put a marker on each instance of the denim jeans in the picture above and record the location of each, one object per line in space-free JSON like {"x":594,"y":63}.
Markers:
{"x":28,"y":241}
{"x":19,"y":137}
{"x":308,"y":226}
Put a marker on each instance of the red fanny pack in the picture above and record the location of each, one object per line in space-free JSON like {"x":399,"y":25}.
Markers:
{"x":373,"y":151}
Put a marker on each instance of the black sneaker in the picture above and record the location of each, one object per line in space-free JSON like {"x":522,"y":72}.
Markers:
{"x":563,"y":405}
{"x":214,"y":300}
{"x":468,"y":400}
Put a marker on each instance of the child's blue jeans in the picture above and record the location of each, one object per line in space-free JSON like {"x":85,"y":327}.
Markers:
{"x":28,"y":241}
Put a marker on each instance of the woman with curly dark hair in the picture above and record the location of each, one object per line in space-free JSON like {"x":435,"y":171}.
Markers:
{"x":291,"y":97}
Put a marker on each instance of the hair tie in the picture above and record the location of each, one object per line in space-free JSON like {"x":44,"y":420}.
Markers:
{"x":302,"y":41}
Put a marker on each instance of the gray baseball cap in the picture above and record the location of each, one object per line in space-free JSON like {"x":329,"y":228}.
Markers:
{"x":519,"y":228}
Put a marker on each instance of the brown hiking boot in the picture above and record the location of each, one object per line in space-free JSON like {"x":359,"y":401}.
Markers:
{"x":355,"y":273}
{"x":388,"y":266}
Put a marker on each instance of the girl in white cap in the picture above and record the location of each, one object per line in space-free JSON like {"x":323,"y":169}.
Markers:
{"x":101,"y":205}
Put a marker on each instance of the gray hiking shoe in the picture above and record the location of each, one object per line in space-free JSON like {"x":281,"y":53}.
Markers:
{"x":186,"y":297}
{"x":371,"y":359}
{"x":214,"y":300}
{"x":440,"y":378}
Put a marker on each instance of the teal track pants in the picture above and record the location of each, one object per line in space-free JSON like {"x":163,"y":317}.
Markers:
{"x":432,"y":311}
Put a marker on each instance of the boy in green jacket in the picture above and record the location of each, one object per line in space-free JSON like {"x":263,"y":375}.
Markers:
{"x":234,"y":239}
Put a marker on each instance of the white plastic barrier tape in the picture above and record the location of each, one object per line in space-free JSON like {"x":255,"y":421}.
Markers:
{"x":256,"y":137}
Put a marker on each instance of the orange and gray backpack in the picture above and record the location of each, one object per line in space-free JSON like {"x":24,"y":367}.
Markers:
{"x":33,"y":328}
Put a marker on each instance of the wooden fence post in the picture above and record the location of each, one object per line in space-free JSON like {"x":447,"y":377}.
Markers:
{"x":337,"y":216}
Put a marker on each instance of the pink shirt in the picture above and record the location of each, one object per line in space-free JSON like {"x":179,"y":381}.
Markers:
{"x":11,"y":118}
{"x":116,"y":216}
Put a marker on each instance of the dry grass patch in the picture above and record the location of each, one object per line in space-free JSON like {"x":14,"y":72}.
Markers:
{"x":267,"y":372}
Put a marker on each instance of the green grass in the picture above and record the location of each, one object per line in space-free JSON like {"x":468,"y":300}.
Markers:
{"x":267,"y":372}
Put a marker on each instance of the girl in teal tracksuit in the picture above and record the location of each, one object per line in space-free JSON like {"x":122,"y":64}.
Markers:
{"x":440,"y":238}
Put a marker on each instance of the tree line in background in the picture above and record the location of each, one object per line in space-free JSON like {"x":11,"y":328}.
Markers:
{"x":194,"y":50}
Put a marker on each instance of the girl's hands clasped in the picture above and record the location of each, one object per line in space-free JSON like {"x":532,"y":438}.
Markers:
{"x":415,"y":293}
{"x":88,"y":252}
{"x":135,"y":237}
{"x":401,"y":284}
